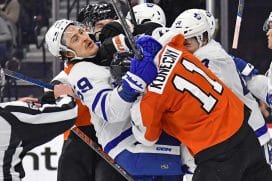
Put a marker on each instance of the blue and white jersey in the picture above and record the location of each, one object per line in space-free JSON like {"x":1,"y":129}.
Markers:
{"x":222,"y":64}
{"x":259,"y":85}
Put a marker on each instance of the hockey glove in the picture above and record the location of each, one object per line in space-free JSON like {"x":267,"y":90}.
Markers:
{"x":120,"y":43}
{"x":245,"y":69}
{"x":48,"y":98}
{"x":120,"y":65}
{"x":146,"y":68}
{"x":132,"y":86}
{"x":142,"y":72}
{"x":110,"y":30}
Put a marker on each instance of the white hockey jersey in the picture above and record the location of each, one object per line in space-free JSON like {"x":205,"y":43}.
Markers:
{"x":222,"y":64}
{"x":110,"y":113}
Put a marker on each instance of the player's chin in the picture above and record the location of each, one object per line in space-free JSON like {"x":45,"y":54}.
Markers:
{"x":190,"y":48}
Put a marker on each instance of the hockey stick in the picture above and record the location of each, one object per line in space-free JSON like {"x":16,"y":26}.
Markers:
{"x":20,"y":76}
{"x":238,"y":24}
{"x":131,"y":12}
{"x":117,"y":8}
{"x":76,"y":130}
{"x":100,"y":152}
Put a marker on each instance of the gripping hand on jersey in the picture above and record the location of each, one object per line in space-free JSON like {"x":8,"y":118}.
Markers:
{"x":142,"y":72}
{"x":246,"y":69}
{"x":146,"y":68}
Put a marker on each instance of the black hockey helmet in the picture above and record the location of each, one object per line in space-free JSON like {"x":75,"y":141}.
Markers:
{"x":95,"y":12}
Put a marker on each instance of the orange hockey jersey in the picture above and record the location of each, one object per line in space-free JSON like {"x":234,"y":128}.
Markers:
{"x":187,"y":101}
{"x":84,"y":116}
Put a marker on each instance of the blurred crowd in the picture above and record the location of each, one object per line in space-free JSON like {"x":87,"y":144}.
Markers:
{"x":20,"y":20}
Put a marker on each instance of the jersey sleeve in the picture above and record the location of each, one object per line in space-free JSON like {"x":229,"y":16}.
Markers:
{"x":60,"y":78}
{"x":93,"y":85}
{"x":146,"y":118}
{"x":64,"y":109}
{"x":38,"y":125}
{"x":258,"y":86}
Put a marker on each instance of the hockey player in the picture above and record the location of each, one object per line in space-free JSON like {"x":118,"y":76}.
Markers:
{"x":23,"y":126}
{"x":150,"y":18}
{"x":150,"y":15}
{"x":189,"y":102}
{"x":268,"y":29}
{"x":96,"y":16}
{"x":198,"y":33}
{"x":109,"y":106}
{"x":206,"y":52}
{"x":198,"y":40}
{"x":148,"y":12}
{"x":77,"y":161}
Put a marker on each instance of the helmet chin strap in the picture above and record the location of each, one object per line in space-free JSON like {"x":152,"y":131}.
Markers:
{"x":199,"y":39}
{"x":78,"y":57}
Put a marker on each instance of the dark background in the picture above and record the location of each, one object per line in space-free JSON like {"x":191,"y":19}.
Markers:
{"x":252,"y":40}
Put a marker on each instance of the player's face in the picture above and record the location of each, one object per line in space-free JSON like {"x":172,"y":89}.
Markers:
{"x":269,"y":38}
{"x":191,"y":44}
{"x":77,"y":39}
{"x":100,"y":24}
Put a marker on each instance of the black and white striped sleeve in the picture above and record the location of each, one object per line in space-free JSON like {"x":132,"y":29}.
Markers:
{"x":37,"y":125}
{"x":64,"y":109}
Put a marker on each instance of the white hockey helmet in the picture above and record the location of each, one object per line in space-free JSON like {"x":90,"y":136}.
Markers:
{"x":193,"y":23}
{"x":54,"y":35}
{"x":211,"y":20}
{"x":148,"y":12}
{"x":268,"y":23}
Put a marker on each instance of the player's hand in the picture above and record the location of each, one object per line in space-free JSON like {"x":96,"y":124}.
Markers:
{"x":28,"y":99}
{"x":120,"y":65}
{"x":63,"y":89}
{"x":246,"y":69}
{"x":146,"y":68}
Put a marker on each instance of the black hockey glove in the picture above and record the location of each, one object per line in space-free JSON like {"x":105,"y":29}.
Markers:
{"x":146,"y":28}
{"x":110,"y":30}
{"x":48,"y":96}
{"x":120,"y":65}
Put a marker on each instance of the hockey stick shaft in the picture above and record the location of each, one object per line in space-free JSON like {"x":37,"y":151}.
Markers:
{"x":238,"y":24}
{"x":100,"y":152}
{"x":131,"y":12}
{"x":76,"y":130}
{"x":117,"y":8}
{"x":20,"y":76}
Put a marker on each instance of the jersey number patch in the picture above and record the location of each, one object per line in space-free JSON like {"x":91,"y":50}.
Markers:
{"x":82,"y":86}
{"x":208,"y":101}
